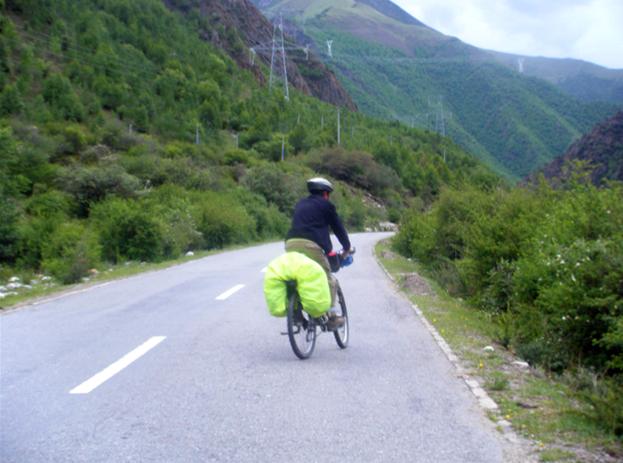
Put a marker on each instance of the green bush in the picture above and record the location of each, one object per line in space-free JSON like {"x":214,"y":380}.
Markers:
{"x":223,"y":221}
{"x":59,"y":94}
{"x":9,"y":232}
{"x":10,"y":101}
{"x":270,"y":222}
{"x":278,"y":187}
{"x":88,"y":185}
{"x":128,"y":231}
{"x":548,"y":263}
{"x":173,"y":206}
{"x":45,"y":212}
{"x":71,"y":252}
{"x":356,"y":168}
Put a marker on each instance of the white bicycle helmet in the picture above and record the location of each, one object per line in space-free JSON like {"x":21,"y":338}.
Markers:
{"x":319,"y":184}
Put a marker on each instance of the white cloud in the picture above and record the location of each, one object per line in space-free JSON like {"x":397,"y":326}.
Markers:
{"x":591,"y":30}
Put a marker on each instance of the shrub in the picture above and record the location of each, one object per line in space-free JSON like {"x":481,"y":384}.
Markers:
{"x":10,"y":101}
{"x":74,"y":141}
{"x":9,"y":235}
{"x":356,"y":168}
{"x":89,"y":185}
{"x":59,"y":94}
{"x":128,"y":231}
{"x":277,"y":186}
{"x":173,"y":206}
{"x":274,"y":148}
{"x":71,"y":252}
{"x":548,"y":263}
{"x":270,"y":222}
{"x":223,"y":221}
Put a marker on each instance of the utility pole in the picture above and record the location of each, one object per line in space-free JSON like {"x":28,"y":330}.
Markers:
{"x":338,"y":127}
{"x":197,"y":134}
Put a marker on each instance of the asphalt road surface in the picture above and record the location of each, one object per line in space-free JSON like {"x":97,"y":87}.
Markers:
{"x":186,"y":365}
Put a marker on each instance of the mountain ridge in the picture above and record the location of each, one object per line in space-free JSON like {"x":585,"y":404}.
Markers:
{"x":407,"y":71}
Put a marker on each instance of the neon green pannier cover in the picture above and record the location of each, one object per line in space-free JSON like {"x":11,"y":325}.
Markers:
{"x":311,"y":283}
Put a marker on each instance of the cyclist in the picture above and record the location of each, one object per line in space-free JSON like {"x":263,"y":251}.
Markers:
{"x":309,"y":234}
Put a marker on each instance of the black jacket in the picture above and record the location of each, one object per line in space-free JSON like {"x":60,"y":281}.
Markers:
{"x":312,"y":218}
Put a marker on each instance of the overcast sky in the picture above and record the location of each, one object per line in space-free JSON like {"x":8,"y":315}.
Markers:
{"x":591,"y":30}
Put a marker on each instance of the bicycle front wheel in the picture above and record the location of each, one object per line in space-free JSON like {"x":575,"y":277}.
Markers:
{"x":342,"y":333}
{"x":301,"y":328}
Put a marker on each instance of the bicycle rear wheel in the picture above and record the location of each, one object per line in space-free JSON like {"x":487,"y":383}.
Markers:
{"x":301,"y":328}
{"x":342,"y":333}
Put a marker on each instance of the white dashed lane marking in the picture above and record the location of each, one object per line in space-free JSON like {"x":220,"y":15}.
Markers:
{"x":116,"y":367}
{"x":229,"y":292}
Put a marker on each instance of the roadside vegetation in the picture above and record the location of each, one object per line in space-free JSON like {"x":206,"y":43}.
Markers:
{"x":560,"y":413}
{"x":538,"y":272}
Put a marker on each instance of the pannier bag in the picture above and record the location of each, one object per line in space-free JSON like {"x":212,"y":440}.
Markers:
{"x":311,"y":283}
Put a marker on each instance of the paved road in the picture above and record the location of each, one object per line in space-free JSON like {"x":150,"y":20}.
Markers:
{"x":215,"y":381}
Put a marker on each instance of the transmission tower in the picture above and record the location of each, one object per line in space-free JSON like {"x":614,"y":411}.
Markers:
{"x":279,"y":49}
{"x":520,"y":62}
{"x":329,"y":45}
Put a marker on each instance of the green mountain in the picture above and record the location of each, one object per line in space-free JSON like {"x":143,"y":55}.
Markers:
{"x":128,"y":132}
{"x":585,"y":81}
{"x":397,"y":68}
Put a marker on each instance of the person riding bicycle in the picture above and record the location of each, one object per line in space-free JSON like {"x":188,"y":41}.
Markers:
{"x":309,"y":234}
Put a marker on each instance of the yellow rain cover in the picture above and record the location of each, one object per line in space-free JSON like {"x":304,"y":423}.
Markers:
{"x":311,"y":283}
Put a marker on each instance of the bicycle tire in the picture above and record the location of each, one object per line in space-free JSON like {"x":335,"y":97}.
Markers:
{"x":342,"y":334}
{"x":301,"y":328}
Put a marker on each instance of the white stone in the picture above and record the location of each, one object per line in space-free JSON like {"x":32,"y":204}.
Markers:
{"x":521,"y":364}
{"x":46,"y":278}
{"x":14,"y":279}
{"x":486,"y":402}
{"x":14,"y":285}
{"x":489,"y":349}
{"x":190,"y":254}
{"x":2,"y":295}
{"x":2,"y":289}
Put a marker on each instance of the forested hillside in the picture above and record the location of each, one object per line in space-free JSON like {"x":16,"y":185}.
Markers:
{"x":124,"y":135}
{"x":600,"y":151}
{"x":399,"y":69}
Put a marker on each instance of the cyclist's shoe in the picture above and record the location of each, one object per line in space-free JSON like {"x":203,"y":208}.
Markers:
{"x":335,"y":321}
{"x":299,"y":320}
